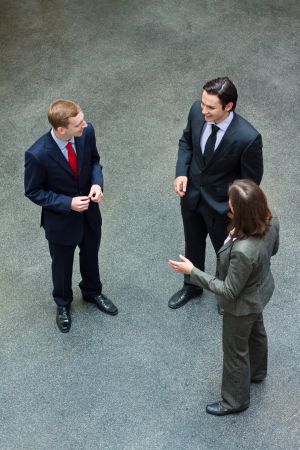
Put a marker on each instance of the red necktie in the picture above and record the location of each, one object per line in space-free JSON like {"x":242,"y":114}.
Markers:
{"x":72,"y":157}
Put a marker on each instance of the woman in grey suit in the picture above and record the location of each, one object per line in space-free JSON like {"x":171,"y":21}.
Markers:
{"x":243,"y":284}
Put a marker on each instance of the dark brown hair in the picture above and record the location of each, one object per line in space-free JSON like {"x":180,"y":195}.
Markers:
{"x":251,"y":214}
{"x":224,"y":89}
{"x":60,"y":111}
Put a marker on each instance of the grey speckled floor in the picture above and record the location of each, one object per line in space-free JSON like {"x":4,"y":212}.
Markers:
{"x":141,"y":380}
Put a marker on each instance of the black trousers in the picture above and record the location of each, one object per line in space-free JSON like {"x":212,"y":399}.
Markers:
{"x":197,"y":226}
{"x":62,"y":267}
{"x":245,"y":357}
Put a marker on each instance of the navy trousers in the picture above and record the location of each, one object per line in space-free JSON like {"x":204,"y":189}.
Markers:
{"x":62,"y":267}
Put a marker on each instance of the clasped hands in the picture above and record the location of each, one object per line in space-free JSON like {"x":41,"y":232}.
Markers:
{"x":186,"y":266}
{"x":82,"y":202}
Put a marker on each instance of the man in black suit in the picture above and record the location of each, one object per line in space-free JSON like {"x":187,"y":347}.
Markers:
{"x":217,"y":146}
{"x":64,"y":177}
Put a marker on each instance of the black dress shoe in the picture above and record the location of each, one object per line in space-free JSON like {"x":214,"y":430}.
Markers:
{"x":104,"y":304}
{"x":220,"y":310}
{"x":257,"y":380}
{"x":63,"y":318}
{"x":185,"y":294}
{"x":217,"y":409}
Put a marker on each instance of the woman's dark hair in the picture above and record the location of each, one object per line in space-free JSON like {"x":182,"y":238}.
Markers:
{"x":251,"y":214}
{"x":224,"y":89}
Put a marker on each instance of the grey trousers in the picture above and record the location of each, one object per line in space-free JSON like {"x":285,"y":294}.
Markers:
{"x":245,"y":357}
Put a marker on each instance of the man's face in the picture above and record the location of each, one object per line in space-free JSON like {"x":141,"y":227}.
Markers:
{"x":75,"y":127}
{"x":212,"y":108}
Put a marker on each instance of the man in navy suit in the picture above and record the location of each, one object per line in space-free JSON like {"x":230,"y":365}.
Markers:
{"x":63,"y":175}
{"x":217,"y":146}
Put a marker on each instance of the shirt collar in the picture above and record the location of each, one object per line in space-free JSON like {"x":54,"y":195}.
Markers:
{"x":225,"y":123}
{"x":60,"y":142}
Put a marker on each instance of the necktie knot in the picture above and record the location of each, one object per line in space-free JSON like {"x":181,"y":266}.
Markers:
{"x":69,"y":146}
{"x":214,"y":129}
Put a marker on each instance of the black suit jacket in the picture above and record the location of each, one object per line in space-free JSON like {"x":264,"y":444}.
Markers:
{"x":239,"y":155}
{"x":51,"y":183}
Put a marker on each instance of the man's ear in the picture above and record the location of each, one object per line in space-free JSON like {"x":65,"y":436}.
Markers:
{"x":60,"y":130}
{"x":229,"y":106}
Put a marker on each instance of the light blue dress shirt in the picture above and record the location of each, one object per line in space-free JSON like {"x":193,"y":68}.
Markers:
{"x":62,"y":144}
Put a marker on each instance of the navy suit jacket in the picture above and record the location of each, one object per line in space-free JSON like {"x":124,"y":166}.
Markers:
{"x":239,"y":155}
{"x":51,"y":183}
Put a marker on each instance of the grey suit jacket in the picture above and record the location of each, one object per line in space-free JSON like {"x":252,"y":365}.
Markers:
{"x":243,"y":283}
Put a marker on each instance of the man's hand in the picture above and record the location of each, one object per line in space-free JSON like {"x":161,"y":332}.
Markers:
{"x":96,"y":194}
{"x":80,"y":204}
{"x":180,"y":184}
{"x":182,"y":267}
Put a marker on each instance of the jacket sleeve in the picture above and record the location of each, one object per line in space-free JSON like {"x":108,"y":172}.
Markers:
{"x":276,"y":241}
{"x":252,"y":161}
{"x":240,"y":268}
{"x":97,"y":175}
{"x":35,"y":181}
{"x":185,"y":150}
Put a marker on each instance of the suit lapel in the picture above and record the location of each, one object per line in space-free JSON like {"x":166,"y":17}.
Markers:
{"x":198,"y":133}
{"x":224,"y":247}
{"x":55,"y":153}
{"x":80,"y":153}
